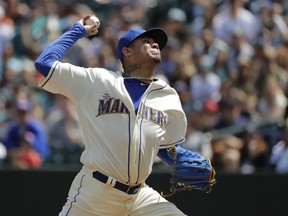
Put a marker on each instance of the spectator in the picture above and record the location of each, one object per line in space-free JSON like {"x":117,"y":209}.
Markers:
{"x":273,"y":28}
{"x":241,"y":51}
{"x":200,"y":121}
{"x":279,"y":67}
{"x":272,"y":102}
{"x":246,"y":79}
{"x":231,"y":116}
{"x":205,"y":85}
{"x":7,"y":30}
{"x":227,"y":153}
{"x":210,"y":45}
{"x":255,"y":154}
{"x":183,"y":91}
{"x":234,"y":17}
{"x":26,"y":157}
{"x":23,"y":124}
{"x":279,"y":155}
{"x":4,"y":116}
{"x":249,"y":107}
{"x":65,"y":136}
{"x":204,"y":21}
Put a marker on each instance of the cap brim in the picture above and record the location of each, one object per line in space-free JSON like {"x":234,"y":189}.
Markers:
{"x":158,"y":34}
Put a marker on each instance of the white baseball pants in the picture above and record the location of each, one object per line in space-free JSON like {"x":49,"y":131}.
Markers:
{"x":90,"y":197}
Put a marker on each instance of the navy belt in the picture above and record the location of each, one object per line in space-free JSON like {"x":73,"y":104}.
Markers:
{"x":118,"y":185}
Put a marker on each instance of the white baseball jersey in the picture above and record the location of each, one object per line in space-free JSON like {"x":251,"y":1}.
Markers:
{"x":118,"y":142}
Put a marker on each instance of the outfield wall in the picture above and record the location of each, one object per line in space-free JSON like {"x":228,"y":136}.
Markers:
{"x":42,"y":193}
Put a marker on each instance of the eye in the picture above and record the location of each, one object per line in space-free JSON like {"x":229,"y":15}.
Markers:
{"x":146,"y":41}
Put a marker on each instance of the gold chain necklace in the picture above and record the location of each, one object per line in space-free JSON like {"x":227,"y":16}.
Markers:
{"x":139,"y":78}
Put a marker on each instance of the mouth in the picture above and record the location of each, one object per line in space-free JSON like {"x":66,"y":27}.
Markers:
{"x":155,"y":52}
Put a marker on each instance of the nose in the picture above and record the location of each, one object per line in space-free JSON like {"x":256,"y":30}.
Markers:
{"x":155,"y":45}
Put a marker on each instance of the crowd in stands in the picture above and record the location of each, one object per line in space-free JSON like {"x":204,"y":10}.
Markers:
{"x":228,"y":61}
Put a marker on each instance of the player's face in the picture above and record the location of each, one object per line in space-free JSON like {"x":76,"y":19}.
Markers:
{"x":146,"y":49}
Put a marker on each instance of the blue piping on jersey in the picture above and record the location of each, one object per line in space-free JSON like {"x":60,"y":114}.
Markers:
{"x":50,"y":75}
{"x":171,"y":144}
{"x":129,"y":146}
{"x":74,"y":199}
{"x":139,"y":155}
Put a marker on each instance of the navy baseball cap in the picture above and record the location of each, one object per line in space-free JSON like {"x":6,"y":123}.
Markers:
{"x":158,"y":34}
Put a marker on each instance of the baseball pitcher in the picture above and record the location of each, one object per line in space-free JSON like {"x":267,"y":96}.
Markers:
{"x":127,"y":119}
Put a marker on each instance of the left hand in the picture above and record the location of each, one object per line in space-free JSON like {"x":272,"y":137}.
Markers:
{"x":191,"y":171}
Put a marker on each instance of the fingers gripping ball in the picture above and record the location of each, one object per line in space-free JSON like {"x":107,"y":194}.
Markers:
{"x":91,"y":24}
{"x":92,"y":20}
{"x":191,"y":171}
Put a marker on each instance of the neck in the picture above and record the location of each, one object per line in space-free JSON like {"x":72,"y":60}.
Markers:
{"x":142,"y":79}
{"x":132,"y":68}
{"x":137,"y":70}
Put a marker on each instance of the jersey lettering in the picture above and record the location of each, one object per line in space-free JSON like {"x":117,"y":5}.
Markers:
{"x":110,"y":105}
{"x":153,"y":115}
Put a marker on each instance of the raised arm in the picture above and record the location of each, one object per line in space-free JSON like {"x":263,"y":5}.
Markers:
{"x":57,"y":50}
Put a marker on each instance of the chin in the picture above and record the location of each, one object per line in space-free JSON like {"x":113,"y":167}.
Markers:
{"x":157,"y":60}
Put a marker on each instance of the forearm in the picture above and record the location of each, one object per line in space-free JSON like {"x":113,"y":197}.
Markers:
{"x":163,"y":155}
{"x":167,"y":157}
{"x":57,"y":50}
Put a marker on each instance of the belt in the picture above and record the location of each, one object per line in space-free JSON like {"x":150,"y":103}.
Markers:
{"x":116,"y":184}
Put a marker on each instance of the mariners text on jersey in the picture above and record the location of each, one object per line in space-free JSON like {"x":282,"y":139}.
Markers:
{"x":110,"y":105}
{"x":153,"y":115}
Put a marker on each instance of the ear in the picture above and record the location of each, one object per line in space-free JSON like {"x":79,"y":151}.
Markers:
{"x":126,"y":51}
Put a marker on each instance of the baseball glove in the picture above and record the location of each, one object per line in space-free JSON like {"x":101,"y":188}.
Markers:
{"x":190,"y":171}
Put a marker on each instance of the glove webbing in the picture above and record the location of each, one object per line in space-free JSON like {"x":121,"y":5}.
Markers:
{"x":174,"y":151}
{"x":212,"y":180}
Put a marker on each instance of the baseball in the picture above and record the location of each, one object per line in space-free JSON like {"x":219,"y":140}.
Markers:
{"x":91,"y":20}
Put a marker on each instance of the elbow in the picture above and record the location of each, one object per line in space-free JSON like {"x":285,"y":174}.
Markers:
{"x":37,"y":65}
{"x":41,"y":67}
